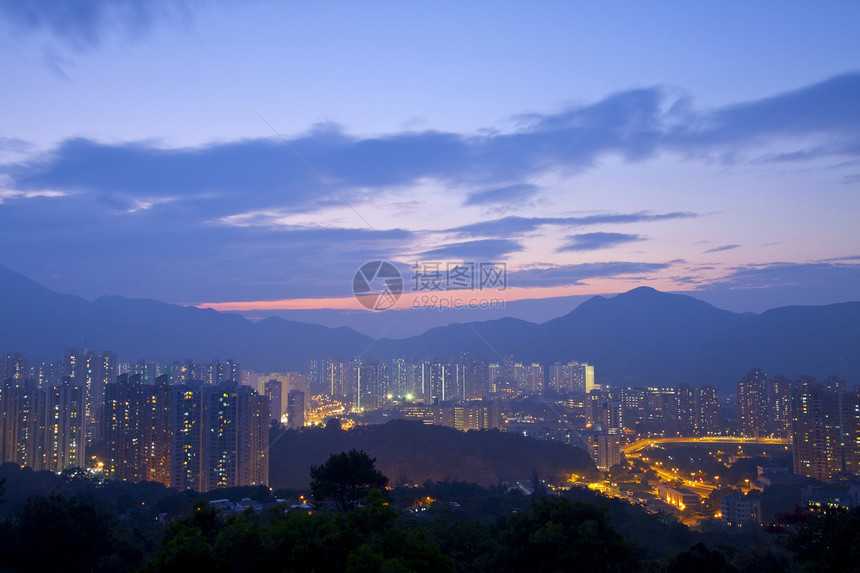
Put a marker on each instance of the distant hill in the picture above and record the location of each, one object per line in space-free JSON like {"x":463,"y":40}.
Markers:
{"x":641,"y":337}
{"x":41,"y":323}
{"x":408,"y":451}
{"x":647,"y":337}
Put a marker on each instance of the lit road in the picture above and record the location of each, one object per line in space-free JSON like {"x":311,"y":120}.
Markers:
{"x":639,"y":445}
{"x":702,"y":489}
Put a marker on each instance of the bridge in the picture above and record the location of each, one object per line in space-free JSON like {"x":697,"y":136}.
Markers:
{"x":639,"y":445}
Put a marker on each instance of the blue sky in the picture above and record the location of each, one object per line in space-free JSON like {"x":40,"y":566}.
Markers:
{"x":252,"y":155}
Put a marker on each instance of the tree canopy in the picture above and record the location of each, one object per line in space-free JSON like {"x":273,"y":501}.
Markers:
{"x":346,"y":478}
{"x":56,"y":533}
{"x":562,"y":535}
{"x":831,"y":542}
{"x":452,"y":526}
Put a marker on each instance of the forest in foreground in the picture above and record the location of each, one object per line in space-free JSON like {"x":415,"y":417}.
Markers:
{"x":73,"y":523}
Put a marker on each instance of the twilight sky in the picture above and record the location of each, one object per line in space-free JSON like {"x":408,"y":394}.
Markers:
{"x":251,"y":156}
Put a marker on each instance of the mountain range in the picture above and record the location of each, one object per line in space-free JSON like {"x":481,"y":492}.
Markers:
{"x":641,"y":337}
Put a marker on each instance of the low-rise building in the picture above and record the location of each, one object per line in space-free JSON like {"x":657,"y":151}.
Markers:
{"x":679,"y":497}
{"x":818,"y":498}
{"x":740,"y":510}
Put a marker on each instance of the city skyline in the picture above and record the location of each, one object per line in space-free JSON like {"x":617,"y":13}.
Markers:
{"x":150,"y":411}
{"x":614,"y":148}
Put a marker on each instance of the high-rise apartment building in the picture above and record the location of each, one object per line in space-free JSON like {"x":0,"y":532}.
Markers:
{"x":14,"y":367}
{"x":398,"y":376}
{"x":65,"y":438}
{"x":533,"y":381}
{"x":659,"y":407}
{"x":296,"y":409}
{"x":494,"y":373}
{"x":296,"y":381}
{"x":92,"y":371}
{"x":685,"y":410}
{"x":569,"y":377}
{"x":125,"y":410}
{"x":587,"y":377}
{"x":634,"y":403}
{"x":367,"y":388}
{"x":191,"y":436}
{"x":707,"y":411}
{"x":476,"y":381}
{"x":335,"y":377}
{"x":826,"y":430}
{"x":221,"y":437}
{"x":440,"y":382}
{"x":157,"y":435}
{"x":607,"y":451}
{"x":779,"y":405}
{"x":42,"y":428}
{"x":274,"y":390}
{"x":180,"y":372}
{"x":594,"y":402}
{"x":753,"y":418}
{"x":418,"y":381}
{"x":316,"y":377}
{"x":559,"y":377}
{"x":187,"y":429}
{"x":47,"y":374}
{"x":254,"y":467}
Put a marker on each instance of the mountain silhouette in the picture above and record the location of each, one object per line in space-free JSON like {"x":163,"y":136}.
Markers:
{"x":641,"y":337}
{"x":41,"y":323}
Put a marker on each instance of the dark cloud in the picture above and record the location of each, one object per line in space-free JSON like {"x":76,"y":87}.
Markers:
{"x":627,"y":122}
{"x":243,"y":175}
{"x":595,"y":241}
{"x":687,"y":279}
{"x":818,"y":274}
{"x":15,"y":144}
{"x":722,"y":248}
{"x":82,"y":24}
{"x":256,"y":174}
{"x":482,"y":250}
{"x":848,"y":258}
{"x":497,"y":195}
{"x":575,"y":274}
{"x":505,"y":227}
{"x":511,"y":226}
{"x":827,"y":109}
{"x":761,"y":287}
{"x":79,"y":249}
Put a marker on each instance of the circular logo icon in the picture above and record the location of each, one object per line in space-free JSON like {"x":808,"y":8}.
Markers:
{"x":377,"y":285}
